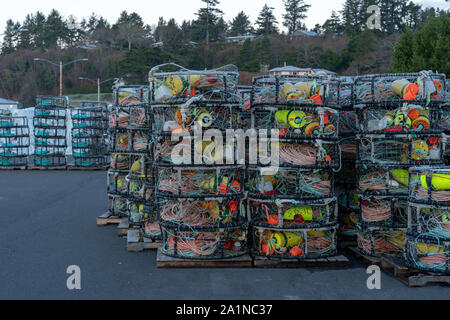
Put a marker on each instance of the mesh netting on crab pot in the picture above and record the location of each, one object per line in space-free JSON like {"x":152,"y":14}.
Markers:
{"x":14,"y":141}
{"x":379,"y":241}
{"x":347,"y":123}
{"x":430,"y":185}
{"x":141,"y":167}
{"x":295,"y":244}
{"x":204,"y":214}
{"x":383,"y":211}
{"x":348,"y":217}
{"x":141,"y":190}
{"x":383,"y":180}
{"x":199,"y":181}
{"x":296,"y":90}
{"x":173,"y":84}
{"x":130,"y":95}
{"x":428,"y":253}
{"x":200,"y":115}
{"x":410,"y":118}
{"x":295,"y":183}
{"x":120,"y":162}
{"x":50,"y":123}
{"x":397,"y":88}
{"x":141,"y":141}
{"x":430,"y":219}
{"x":410,"y":150}
{"x":117,"y":206}
{"x":297,"y":122}
{"x":205,"y":245}
{"x":119,"y":141}
{"x":117,"y":183}
{"x":292,"y":214}
{"x":139,"y":211}
{"x":48,"y":102}
{"x":90,"y":117}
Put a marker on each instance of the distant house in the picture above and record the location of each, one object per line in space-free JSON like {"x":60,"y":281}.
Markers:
{"x":9,"y":105}
{"x":240,"y":39}
{"x":290,"y":70}
{"x":306,"y":33}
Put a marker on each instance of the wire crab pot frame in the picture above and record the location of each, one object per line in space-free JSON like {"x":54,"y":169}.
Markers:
{"x":445,"y":117}
{"x":429,"y":219}
{"x":410,"y":118}
{"x":181,"y":84}
{"x":290,"y":183}
{"x":245,"y":94}
{"x":293,"y":90}
{"x":130,"y":95}
{"x":430,"y":185}
{"x":292,"y":214}
{"x":381,"y":241}
{"x":14,"y":141}
{"x":192,"y":182}
{"x":120,"y":162}
{"x":201,"y":214}
{"x":297,"y":121}
{"x":89,"y":147}
{"x":48,"y":101}
{"x":383,"y":211}
{"x":427,"y":253}
{"x":347,"y":91}
{"x":347,"y":123}
{"x":348,"y":216}
{"x":387,"y":180}
{"x":133,"y":117}
{"x":401,"y":149}
{"x":397,"y":88}
{"x":117,"y":206}
{"x":295,"y":244}
{"x":205,"y":245}
{"x":200,"y":113}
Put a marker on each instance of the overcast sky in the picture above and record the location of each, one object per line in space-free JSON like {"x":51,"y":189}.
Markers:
{"x":181,"y":10}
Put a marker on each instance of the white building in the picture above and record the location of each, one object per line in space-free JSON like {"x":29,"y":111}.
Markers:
{"x":9,"y":105}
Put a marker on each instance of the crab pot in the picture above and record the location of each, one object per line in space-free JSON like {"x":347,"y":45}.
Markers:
{"x":91,"y":162}
{"x":51,"y":160}
{"x":89,"y":147}
{"x":14,"y":141}
{"x":398,"y":88}
{"x":120,"y":162}
{"x":429,"y":219}
{"x":292,"y":214}
{"x":296,"y":90}
{"x":383,"y":180}
{"x":172,"y":84}
{"x":119,"y":118}
{"x":117,"y":183}
{"x":381,"y":241}
{"x":140,"y":190}
{"x":139,"y":211}
{"x":141,"y":141}
{"x":48,"y":102}
{"x":90,"y":117}
{"x":212,"y":244}
{"x":151,"y":228}
{"x":119,"y":141}
{"x":198,"y":181}
{"x":201,"y":213}
{"x":348,"y":217}
{"x":347,"y":123}
{"x":297,"y":122}
{"x":427,"y":253}
{"x":201,"y":115}
{"x":245,"y":94}
{"x":383,"y":211}
{"x":117,"y":206}
{"x":293,"y":183}
{"x":393,"y":119}
{"x":407,"y":150}
{"x":307,"y":243}
{"x":130,"y":95}
{"x":141,"y":167}
{"x":430,"y":185}
{"x":140,"y":117}
{"x":346,"y":93}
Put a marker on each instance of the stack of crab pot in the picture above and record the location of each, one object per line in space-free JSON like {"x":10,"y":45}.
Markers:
{"x":446,"y":121}
{"x":50,"y":132}
{"x":131,"y":178}
{"x":14,"y":141}
{"x":398,"y":127}
{"x":346,"y":177}
{"x":291,"y":195}
{"x":199,"y":185}
{"x":90,"y":124}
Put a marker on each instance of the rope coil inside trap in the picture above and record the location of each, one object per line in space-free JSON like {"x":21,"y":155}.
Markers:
{"x":379,"y":241}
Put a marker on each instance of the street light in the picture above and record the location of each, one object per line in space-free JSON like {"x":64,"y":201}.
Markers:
{"x":61,"y":65}
{"x":99,"y":83}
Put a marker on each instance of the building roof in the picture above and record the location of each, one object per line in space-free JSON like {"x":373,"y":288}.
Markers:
{"x":8,"y":102}
{"x":306,"y":33}
{"x":290,"y":69}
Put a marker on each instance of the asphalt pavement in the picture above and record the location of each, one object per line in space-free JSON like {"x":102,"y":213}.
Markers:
{"x":48,"y":222}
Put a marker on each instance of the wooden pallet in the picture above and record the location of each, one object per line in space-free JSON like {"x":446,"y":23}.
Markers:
{"x":332,"y":262}
{"x":106,"y":219}
{"x":73,"y":168}
{"x":163,"y":261}
{"x":13,"y":168}
{"x":61,"y":168}
{"x":137,"y":243}
{"x":368,"y":260}
{"x":411,"y":277}
{"x":123,"y":227}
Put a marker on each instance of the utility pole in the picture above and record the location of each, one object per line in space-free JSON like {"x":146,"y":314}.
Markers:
{"x":99,"y":84}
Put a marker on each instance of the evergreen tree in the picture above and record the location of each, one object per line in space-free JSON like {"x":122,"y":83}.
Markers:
{"x":333,"y":25}
{"x":241,"y":25}
{"x":207,"y":19}
{"x":10,"y":37}
{"x":403,"y":54}
{"x":295,"y":14}
{"x":266,"y":22}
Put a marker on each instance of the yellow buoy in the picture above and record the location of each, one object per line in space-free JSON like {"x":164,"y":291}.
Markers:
{"x":405,"y":89}
{"x":420,"y":150}
{"x":306,"y":212}
{"x":401,"y":176}
{"x":439,"y":182}
{"x":286,"y":239}
{"x":425,"y":248}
